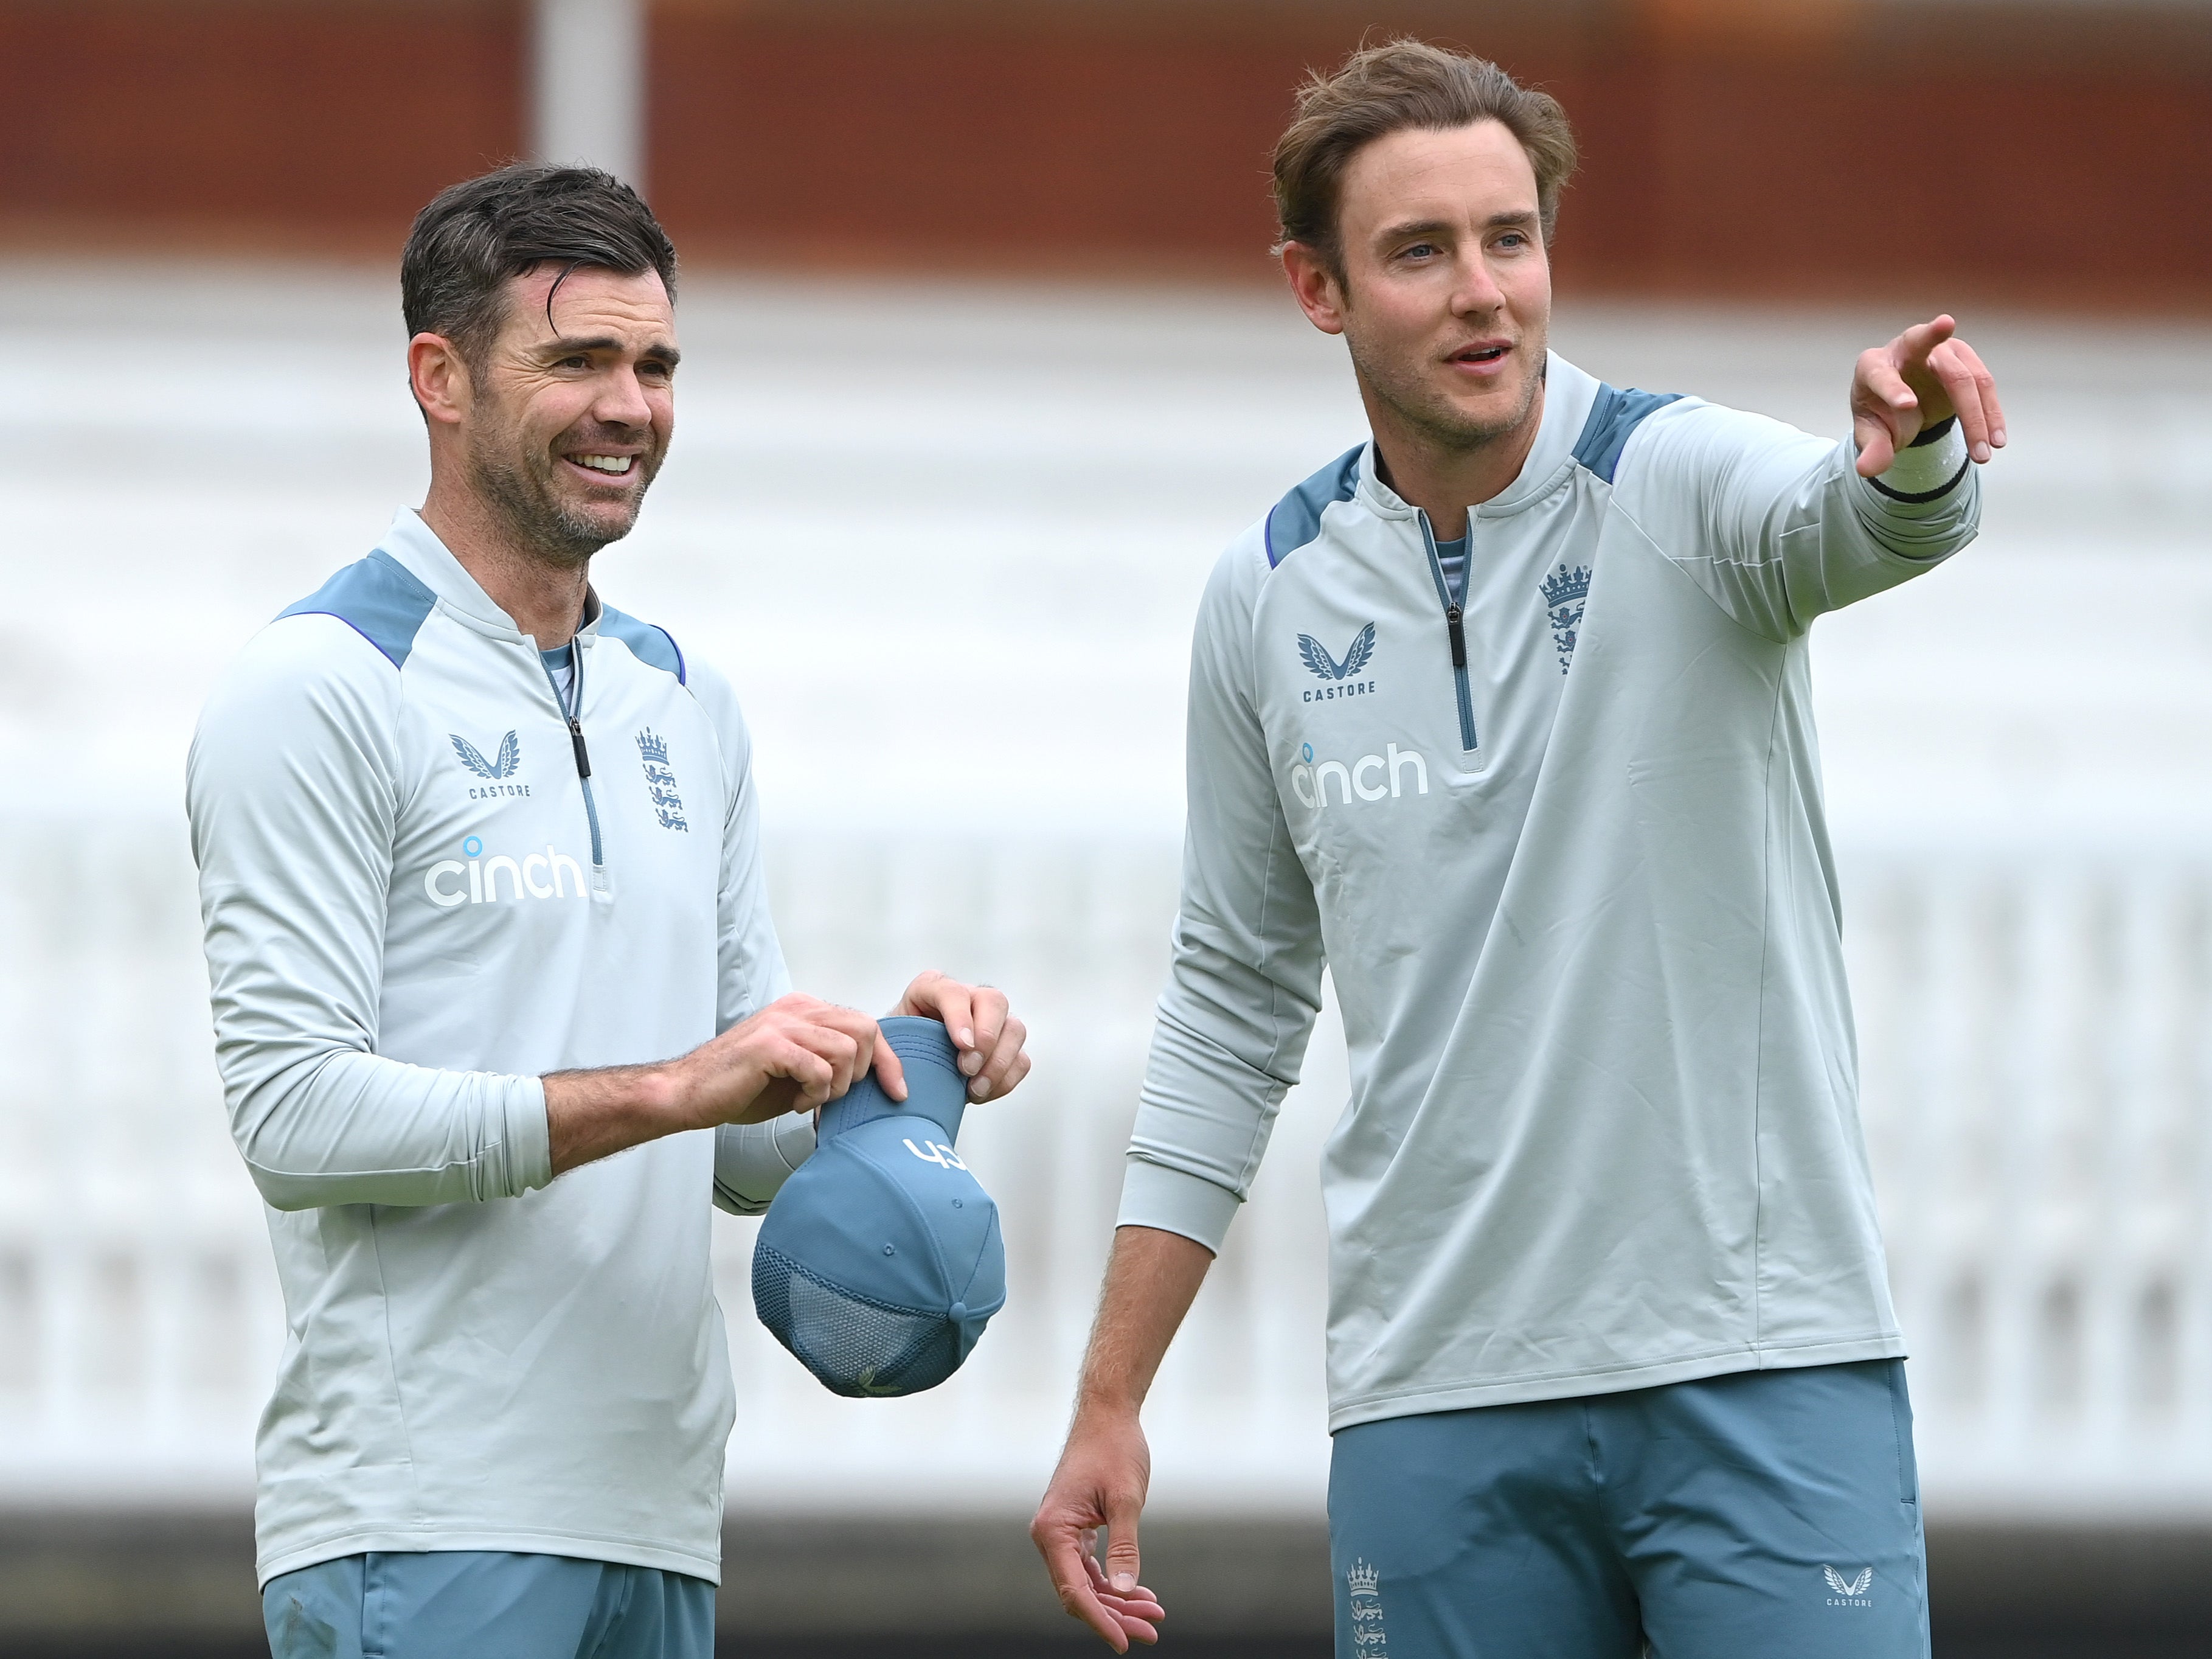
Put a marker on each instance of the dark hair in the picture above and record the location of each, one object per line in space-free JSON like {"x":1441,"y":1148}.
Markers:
{"x":475,"y":235}
{"x":1379,"y":90}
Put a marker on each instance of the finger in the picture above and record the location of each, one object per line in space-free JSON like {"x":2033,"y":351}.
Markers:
{"x":840,"y":1051}
{"x":1140,"y":1602}
{"x":938,"y":996}
{"x":1064,"y":1551}
{"x":890,"y":1072}
{"x":1876,"y":452}
{"x":1911,"y":349}
{"x":1965,"y":391}
{"x":1988,"y":383}
{"x":1122,"y":1554}
{"x":808,"y":1070}
{"x":987,"y":1008}
{"x":999,"y":1073}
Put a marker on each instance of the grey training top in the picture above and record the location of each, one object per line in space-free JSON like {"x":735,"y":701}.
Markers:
{"x":1576,"y":893}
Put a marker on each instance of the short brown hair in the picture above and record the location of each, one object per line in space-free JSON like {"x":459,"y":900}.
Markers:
{"x":475,"y":235}
{"x":1402,"y":84}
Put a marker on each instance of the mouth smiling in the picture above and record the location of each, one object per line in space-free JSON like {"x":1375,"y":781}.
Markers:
{"x":608,"y":466}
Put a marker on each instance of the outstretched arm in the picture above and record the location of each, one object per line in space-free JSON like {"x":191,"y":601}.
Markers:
{"x":1151,"y":1280}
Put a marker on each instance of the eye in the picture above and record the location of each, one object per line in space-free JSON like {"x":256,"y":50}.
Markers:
{"x":1513,"y":240}
{"x":1420,"y":250}
{"x":577,"y":361}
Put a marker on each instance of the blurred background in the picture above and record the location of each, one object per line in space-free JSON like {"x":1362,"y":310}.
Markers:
{"x":984,"y":363}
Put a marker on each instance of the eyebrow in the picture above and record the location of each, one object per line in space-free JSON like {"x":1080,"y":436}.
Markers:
{"x":568,"y":345}
{"x":1511,"y":217}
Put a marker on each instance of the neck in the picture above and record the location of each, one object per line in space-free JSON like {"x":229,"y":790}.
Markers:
{"x":545,"y":594}
{"x":1445,"y":480}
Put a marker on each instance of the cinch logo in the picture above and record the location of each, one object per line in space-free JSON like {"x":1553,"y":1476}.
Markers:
{"x":935,"y":1152}
{"x":536,"y":875}
{"x":1309,"y":780}
{"x":1848,"y":1592}
{"x":1316,"y":656}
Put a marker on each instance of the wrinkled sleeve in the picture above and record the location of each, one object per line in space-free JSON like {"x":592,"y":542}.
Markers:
{"x":1244,"y":983}
{"x":1776,"y":526}
{"x":293,"y":788}
{"x":752,"y":1161}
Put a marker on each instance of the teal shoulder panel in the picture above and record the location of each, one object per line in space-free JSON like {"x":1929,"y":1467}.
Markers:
{"x":1296,"y":519}
{"x":378,"y":598}
{"x":1612,"y":421}
{"x":647,"y":643}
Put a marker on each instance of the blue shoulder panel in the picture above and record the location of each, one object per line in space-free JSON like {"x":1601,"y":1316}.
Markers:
{"x":378,"y":598}
{"x":648,"y":644}
{"x":1612,"y":421}
{"x":1296,"y":519}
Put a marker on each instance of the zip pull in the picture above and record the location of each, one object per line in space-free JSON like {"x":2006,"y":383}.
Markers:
{"x":1451,"y":622}
{"x":583,"y":758}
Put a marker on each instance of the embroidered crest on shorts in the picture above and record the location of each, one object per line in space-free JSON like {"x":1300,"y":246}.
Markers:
{"x":1365,"y":1584}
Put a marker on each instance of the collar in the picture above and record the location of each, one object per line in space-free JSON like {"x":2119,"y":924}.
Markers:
{"x":416,"y":547}
{"x":1569,"y":394}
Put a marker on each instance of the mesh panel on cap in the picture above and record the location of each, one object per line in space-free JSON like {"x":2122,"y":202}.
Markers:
{"x":854,"y":1346}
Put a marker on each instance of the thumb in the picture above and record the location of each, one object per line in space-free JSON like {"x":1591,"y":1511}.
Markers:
{"x":1121,"y":1559}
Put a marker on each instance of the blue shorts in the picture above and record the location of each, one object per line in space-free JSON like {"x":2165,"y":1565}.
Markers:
{"x":485,"y":1604}
{"x":1766,"y":1513}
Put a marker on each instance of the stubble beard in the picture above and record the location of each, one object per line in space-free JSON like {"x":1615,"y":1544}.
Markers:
{"x":1427,"y":412}
{"x":517,"y":483}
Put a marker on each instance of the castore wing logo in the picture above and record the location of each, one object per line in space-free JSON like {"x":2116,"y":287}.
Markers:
{"x":1848,"y":1592}
{"x":510,"y":756}
{"x":1326,"y":666}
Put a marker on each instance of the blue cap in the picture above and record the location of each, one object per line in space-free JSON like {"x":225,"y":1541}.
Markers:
{"x":880,"y":1261}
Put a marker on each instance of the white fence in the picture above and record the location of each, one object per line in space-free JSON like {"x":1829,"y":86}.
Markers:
{"x":2038,"y":1064}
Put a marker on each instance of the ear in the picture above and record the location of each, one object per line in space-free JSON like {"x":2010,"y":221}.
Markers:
{"x":1320,"y":295}
{"x":438,"y":379}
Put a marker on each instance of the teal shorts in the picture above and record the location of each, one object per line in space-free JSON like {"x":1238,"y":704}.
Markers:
{"x":1766,"y":1513}
{"x":485,"y":1604}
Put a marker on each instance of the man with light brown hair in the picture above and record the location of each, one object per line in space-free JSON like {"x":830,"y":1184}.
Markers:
{"x":1505,"y":717}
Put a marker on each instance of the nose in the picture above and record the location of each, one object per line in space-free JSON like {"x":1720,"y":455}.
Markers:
{"x":622,"y":400}
{"x":1475,"y":291}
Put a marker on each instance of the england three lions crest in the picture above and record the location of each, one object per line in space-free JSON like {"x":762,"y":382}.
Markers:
{"x":1566,"y":592}
{"x":1363,"y":1591}
{"x":660,"y":781}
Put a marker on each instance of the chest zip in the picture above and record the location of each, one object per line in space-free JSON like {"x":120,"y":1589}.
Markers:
{"x":572,"y":711}
{"x":1455,"y":624}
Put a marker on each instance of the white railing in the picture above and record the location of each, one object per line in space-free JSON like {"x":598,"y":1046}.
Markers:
{"x":2037,"y":1065}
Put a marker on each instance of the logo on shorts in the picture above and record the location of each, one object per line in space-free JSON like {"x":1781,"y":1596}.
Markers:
{"x":1363,"y":1584}
{"x":1848,"y":1592}
{"x":1342,"y":677}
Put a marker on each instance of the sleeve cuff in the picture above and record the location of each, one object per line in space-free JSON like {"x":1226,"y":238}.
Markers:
{"x":1927,"y":469}
{"x":752,"y":1161}
{"x":1153,"y":1195}
{"x":529,"y":1138}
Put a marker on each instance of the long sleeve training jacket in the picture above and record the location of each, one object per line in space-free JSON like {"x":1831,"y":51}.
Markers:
{"x":1559,"y":837}
{"x":416,"y":905}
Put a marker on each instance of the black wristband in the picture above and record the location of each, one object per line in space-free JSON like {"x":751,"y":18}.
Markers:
{"x":1936,"y":433}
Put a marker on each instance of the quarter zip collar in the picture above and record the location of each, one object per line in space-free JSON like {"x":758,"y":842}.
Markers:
{"x":1569,"y":394}
{"x":416,"y":547}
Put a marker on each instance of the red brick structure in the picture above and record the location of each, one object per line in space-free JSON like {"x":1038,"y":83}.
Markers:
{"x":1784,"y":148}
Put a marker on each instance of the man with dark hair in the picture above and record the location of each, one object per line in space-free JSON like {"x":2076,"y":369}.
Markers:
{"x":477,"y":852}
{"x":1505,"y":717}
